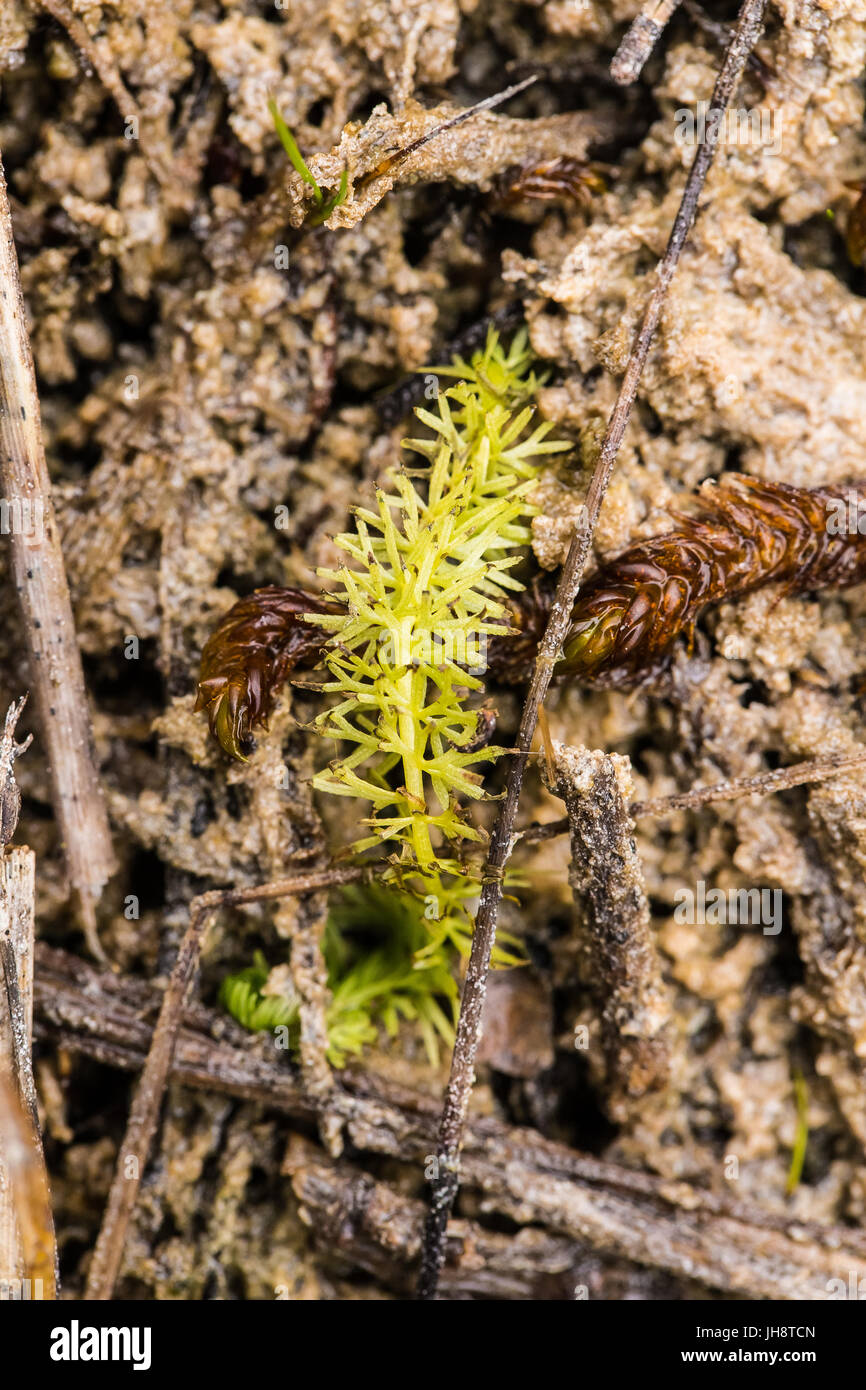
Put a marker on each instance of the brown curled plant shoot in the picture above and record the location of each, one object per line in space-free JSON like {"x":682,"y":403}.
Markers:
{"x":426,"y":604}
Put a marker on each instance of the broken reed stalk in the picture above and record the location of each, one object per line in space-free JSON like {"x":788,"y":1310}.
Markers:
{"x":17,"y":883}
{"x":644,"y":33}
{"x":27,"y":1244}
{"x":445,"y":1184}
{"x":40,"y":582}
{"x":27,"y":1181}
{"x":762,"y":784}
{"x":144,"y":1113}
{"x":612,"y":909}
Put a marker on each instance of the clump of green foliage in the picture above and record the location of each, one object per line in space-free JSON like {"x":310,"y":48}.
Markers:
{"x":243,"y":995}
{"x":427,"y":576}
{"x":429,"y":571}
{"x":382,"y":967}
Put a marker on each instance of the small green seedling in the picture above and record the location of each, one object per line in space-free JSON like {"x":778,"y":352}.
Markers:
{"x":324,"y":205}
{"x":801,"y":1136}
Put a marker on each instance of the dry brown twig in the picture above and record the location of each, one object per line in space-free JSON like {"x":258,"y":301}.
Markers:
{"x":144,"y":1113}
{"x":640,"y":40}
{"x":762,"y":784}
{"x":721,"y":34}
{"x":502,"y":839}
{"x":40,"y":581}
{"x":370,"y":1225}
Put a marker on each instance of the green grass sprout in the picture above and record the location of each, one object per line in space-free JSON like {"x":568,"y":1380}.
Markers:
{"x":324,"y":205}
{"x":801,"y":1137}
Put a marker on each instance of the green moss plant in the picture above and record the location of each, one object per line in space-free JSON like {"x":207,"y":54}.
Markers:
{"x":428,"y":571}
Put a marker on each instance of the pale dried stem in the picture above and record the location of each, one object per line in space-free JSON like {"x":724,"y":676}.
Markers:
{"x":26,"y":1182}
{"x":27,"y":1244}
{"x":40,"y":580}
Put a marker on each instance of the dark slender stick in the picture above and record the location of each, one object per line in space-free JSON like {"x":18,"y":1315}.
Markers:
{"x":722,"y":33}
{"x":446,"y":1183}
{"x":144,"y":1114}
{"x":816,"y":770}
{"x":762,"y":784}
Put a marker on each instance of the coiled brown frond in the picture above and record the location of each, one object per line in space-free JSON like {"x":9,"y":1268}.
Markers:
{"x":742,"y":535}
{"x":248,"y":656}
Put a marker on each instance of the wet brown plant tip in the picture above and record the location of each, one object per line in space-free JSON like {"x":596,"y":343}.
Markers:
{"x":553,"y":180}
{"x":252,"y":651}
{"x":741,"y":535}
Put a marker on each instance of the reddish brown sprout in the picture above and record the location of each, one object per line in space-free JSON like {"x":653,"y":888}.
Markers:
{"x":744,"y":534}
{"x":553,"y":180}
{"x":855,"y":230}
{"x":252,"y":651}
